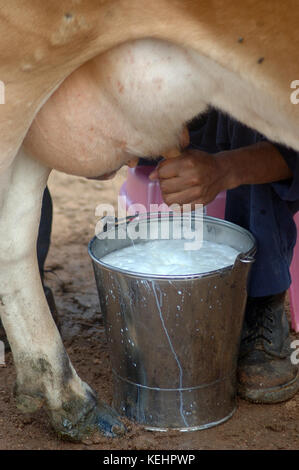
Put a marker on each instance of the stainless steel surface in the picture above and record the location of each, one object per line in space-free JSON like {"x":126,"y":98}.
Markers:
{"x":174,"y":340}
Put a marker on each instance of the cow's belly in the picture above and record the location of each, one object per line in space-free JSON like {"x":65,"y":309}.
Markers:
{"x":132,"y":101}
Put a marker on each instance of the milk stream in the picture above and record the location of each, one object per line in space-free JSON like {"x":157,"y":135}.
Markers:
{"x":168,"y":257}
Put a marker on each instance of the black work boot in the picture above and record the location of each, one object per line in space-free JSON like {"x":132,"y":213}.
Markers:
{"x":265,"y":372}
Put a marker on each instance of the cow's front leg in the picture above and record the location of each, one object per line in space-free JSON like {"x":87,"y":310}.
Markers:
{"x":45,"y":375}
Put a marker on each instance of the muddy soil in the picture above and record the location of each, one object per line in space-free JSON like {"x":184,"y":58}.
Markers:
{"x":70,"y":276}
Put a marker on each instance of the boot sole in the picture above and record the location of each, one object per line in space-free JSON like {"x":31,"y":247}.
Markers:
{"x":270,"y":395}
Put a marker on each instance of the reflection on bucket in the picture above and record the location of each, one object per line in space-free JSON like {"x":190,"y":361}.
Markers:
{"x":174,"y":340}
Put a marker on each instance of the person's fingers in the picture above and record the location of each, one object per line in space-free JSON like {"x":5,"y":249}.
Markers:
{"x":181,"y":165}
{"x":154,"y":175}
{"x":176,"y":184}
{"x":185,"y":197}
{"x":165,"y":169}
{"x":169,"y":168}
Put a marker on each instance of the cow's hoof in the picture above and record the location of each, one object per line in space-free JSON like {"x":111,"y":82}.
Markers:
{"x":108,"y":421}
{"x":99,"y":419}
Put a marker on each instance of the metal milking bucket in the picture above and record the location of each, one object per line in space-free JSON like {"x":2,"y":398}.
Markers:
{"x":174,"y":340}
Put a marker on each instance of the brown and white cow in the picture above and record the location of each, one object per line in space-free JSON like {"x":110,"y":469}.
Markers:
{"x":91,"y":84}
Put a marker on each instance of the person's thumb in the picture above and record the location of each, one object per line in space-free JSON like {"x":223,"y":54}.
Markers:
{"x":154,"y":175}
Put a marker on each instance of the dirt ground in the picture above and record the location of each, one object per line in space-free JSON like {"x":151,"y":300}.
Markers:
{"x":71,"y":278}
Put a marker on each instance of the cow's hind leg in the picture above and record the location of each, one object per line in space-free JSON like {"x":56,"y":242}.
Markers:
{"x":45,"y":375}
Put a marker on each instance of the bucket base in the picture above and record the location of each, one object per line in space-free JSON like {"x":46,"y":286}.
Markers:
{"x":193,"y":428}
{"x":185,"y":410}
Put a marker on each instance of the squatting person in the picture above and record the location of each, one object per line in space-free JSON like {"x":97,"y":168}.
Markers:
{"x":262,"y":183}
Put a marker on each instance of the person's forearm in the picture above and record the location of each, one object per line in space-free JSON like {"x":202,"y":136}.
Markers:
{"x":255,"y":164}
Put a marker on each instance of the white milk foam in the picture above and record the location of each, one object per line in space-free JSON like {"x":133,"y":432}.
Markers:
{"x":168,"y":257}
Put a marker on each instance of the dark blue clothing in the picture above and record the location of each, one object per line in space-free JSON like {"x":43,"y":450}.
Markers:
{"x":266,"y":210}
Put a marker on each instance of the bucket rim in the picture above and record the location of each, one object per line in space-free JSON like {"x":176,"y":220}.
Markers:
{"x":167,"y":277}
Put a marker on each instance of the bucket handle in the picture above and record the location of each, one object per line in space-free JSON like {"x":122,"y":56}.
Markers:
{"x":240,"y":278}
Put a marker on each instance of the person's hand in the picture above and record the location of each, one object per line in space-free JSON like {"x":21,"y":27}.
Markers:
{"x":195,"y":177}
